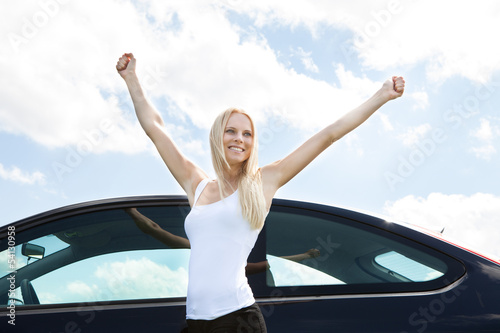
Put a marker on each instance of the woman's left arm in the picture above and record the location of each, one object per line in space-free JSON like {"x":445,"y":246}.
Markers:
{"x":280,"y":172}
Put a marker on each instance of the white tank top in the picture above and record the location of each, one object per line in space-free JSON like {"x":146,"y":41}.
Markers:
{"x":221,"y":240}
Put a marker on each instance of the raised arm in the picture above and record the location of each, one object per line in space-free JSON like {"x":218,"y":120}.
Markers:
{"x":149,"y":227}
{"x":309,"y":254}
{"x":279,"y":173}
{"x":184,"y":171}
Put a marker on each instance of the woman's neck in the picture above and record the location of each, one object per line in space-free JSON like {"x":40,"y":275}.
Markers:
{"x":232,"y":177}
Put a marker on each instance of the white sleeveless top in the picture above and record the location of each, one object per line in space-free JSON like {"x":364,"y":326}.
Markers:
{"x":221,"y":240}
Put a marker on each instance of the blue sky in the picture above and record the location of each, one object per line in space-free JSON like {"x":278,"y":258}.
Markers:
{"x":68,"y":132}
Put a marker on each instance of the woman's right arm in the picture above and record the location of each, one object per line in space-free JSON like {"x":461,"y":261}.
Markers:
{"x":187,"y":174}
{"x":147,"y":226}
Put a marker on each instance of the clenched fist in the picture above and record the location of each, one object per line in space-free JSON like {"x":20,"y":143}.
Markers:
{"x":394,"y":87}
{"x":126,"y":64}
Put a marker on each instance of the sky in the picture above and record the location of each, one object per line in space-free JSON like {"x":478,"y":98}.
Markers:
{"x":68,"y":132}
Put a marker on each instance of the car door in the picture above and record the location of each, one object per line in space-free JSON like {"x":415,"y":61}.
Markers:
{"x":89,"y":268}
{"x":336,"y":270}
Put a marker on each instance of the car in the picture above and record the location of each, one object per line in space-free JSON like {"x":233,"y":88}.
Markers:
{"x":88,"y":267}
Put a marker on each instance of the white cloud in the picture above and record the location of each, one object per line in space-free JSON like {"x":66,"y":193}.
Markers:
{"x":485,"y":134}
{"x":352,"y":142}
{"x":415,"y":134}
{"x":421,"y":99}
{"x":246,"y":73}
{"x":311,"y":14}
{"x":126,"y":280}
{"x":385,"y":121}
{"x":55,"y":79}
{"x":189,"y":53}
{"x":306,"y":59}
{"x":471,"y":220}
{"x":289,"y":273}
{"x":6,"y":266}
{"x":485,"y":131}
{"x":17,"y":175}
{"x":484,"y":152}
{"x":81,"y":290}
{"x":120,"y":280}
{"x":350,"y":82}
{"x":447,"y":45}
{"x":184,"y":139}
{"x":391,"y":34}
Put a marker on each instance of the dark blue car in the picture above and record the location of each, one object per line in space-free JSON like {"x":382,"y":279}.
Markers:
{"x":315,"y":268}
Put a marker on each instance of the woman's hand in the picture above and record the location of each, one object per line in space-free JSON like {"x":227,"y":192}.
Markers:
{"x":312,"y":253}
{"x":394,"y":87}
{"x":126,"y":64}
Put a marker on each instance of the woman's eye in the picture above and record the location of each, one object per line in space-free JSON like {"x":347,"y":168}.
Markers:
{"x":229,"y":131}
{"x":248,"y":134}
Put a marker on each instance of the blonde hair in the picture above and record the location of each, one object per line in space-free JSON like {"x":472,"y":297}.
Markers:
{"x":251,"y":195}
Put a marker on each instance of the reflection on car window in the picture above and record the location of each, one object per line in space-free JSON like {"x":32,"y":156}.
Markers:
{"x":100,"y":256}
{"x":289,"y":273}
{"x":346,"y":254}
{"x":117,"y":276}
{"x":50,"y":244}
{"x":406,"y":268}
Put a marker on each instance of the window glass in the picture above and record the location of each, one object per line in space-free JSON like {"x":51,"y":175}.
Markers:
{"x":101,"y":256}
{"x":10,"y":261}
{"x":310,"y":249}
{"x":50,"y":244}
{"x":406,"y":268}
{"x":290,"y":273}
{"x":117,"y":276}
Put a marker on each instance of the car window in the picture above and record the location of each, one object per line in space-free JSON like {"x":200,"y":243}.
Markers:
{"x":117,"y":276}
{"x":101,"y":256}
{"x":308,"y":248}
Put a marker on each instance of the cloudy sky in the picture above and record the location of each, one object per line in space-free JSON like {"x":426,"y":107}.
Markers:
{"x":68,"y":132}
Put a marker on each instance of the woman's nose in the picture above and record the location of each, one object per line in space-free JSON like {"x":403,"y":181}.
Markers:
{"x":238,"y":138}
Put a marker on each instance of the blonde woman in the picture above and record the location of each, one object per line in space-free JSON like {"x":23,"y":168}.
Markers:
{"x":227,"y":213}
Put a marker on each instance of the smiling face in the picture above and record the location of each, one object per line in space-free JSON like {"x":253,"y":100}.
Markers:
{"x":238,"y":139}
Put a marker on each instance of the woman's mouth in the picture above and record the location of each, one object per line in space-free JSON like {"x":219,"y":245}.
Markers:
{"x":238,"y":149}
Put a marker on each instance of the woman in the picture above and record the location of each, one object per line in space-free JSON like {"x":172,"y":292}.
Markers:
{"x":228,"y":213}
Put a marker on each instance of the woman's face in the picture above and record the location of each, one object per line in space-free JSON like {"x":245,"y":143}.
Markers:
{"x":238,"y":139}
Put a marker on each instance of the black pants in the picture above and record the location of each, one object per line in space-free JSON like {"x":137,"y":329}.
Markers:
{"x":246,"y":320}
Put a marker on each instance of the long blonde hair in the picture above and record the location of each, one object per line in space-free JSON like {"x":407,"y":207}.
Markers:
{"x":251,"y":195}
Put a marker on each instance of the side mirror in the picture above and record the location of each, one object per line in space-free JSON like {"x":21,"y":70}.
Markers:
{"x":32,"y":251}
